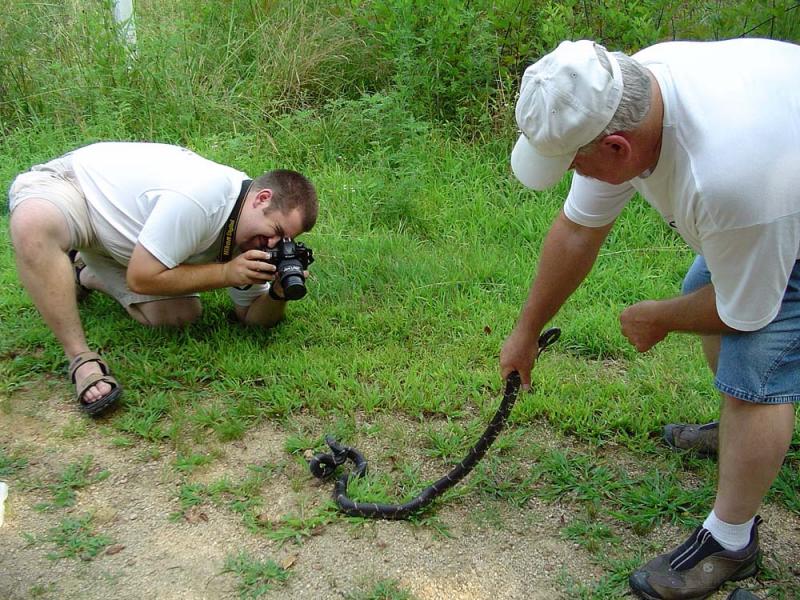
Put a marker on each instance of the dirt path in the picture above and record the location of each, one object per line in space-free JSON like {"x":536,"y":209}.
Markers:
{"x":492,"y":552}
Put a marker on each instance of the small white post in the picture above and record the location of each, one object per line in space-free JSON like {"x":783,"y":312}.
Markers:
{"x":3,"y":496}
{"x":123,"y":16}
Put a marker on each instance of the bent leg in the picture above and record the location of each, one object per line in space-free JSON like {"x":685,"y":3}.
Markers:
{"x":105,"y":275}
{"x":41,"y":239}
{"x":172,"y":312}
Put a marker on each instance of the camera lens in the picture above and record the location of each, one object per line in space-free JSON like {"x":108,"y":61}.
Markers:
{"x":292,"y":280}
{"x":293,"y":287}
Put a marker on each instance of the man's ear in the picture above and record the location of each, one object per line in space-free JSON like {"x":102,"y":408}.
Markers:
{"x":262,"y":198}
{"x":617,"y":146}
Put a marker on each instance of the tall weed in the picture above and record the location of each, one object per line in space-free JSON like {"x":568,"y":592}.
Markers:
{"x":203,"y":67}
{"x":461,"y":62}
{"x":199,"y":66}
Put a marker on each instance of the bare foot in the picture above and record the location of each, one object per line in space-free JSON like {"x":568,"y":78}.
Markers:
{"x":97,"y":391}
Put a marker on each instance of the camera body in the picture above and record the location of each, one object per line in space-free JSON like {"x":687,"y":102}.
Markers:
{"x":290,"y":259}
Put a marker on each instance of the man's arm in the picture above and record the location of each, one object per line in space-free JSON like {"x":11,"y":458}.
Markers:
{"x":147,"y":275}
{"x":647,"y":323}
{"x":568,"y":254}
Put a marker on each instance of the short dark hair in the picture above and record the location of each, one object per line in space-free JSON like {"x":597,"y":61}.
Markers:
{"x":290,"y":190}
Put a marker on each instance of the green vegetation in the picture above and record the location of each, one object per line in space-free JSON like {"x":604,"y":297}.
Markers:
{"x":75,"y":538}
{"x":383,"y":590}
{"x":256,"y":577}
{"x":401,"y":112}
{"x":11,"y":463}
{"x":74,"y":477}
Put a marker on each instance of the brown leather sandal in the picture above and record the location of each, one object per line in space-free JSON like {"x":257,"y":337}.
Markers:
{"x":94,"y":408}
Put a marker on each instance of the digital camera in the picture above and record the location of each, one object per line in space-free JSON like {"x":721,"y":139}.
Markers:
{"x":291,"y":259}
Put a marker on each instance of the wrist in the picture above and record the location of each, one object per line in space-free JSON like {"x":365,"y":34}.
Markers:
{"x":528,"y":331}
{"x":663,"y":314}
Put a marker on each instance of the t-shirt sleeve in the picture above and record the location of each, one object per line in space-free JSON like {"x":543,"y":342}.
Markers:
{"x":750,"y":268}
{"x":592,"y":203}
{"x":175,"y":229}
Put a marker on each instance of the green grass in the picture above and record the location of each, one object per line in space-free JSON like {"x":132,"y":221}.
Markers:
{"x":76,"y":538}
{"x":76,"y":476}
{"x":248,"y":498}
{"x":591,"y":535}
{"x":189,"y":463}
{"x":11,"y":463}
{"x":256,"y":578}
{"x":407,"y":311}
{"x":425,"y":248}
{"x":386,"y":589}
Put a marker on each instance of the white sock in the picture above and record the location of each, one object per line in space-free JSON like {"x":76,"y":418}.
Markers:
{"x":730,"y":537}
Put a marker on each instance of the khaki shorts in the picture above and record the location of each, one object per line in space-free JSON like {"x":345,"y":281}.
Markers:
{"x":55,"y":182}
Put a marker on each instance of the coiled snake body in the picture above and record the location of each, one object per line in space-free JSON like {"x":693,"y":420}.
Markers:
{"x":324,"y":465}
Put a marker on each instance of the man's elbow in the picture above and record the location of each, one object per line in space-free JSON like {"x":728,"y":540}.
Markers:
{"x":138,"y":284}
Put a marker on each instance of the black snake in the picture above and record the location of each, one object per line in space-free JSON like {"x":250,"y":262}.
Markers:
{"x":324,"y":465}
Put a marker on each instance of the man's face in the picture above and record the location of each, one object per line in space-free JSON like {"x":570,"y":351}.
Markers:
{"x":265,"y":228}
{"x":617,"y":158}
{"x":602,"y":166}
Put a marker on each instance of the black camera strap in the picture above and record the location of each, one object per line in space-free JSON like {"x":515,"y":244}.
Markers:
{"x":229,"y":231}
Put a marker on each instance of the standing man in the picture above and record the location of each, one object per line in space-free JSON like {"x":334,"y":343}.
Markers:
{"x":709,"y":135}
{"x":154,"y":224}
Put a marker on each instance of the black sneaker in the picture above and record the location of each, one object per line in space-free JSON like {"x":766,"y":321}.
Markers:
{"x":703,"y":439}
{"x":696,"y":568}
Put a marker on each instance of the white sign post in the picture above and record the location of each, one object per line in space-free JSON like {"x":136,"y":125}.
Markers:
{"x":123,"y":16}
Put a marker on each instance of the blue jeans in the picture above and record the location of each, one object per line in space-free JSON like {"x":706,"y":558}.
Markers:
{"x":761,"y":366}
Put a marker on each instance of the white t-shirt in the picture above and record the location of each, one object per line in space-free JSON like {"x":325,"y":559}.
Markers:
{"x":728,"y":177}
{"x":167,"y":198}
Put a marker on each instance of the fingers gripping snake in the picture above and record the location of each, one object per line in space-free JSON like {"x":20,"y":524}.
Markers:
{"x":324,"y":465}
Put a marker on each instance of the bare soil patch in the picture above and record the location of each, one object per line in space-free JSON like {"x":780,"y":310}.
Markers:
{"x":493,"y":551}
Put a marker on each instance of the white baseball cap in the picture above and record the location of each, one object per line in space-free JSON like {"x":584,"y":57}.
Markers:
{"x":566,"y":99}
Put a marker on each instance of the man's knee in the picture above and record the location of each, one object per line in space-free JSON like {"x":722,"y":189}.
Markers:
{"x":37,"y":226}
{"x":179,"y":312}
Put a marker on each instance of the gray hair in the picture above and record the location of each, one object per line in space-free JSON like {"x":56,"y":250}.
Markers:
{"x":636,"y":94}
